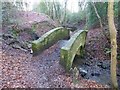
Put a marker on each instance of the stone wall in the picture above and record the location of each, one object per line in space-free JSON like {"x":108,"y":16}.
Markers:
{"x":71,"y":48}
{"x":49,"y":38}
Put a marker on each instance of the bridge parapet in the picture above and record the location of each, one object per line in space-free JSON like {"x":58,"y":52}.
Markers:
{"x":72,"y":47}
{"x":48,"y":39}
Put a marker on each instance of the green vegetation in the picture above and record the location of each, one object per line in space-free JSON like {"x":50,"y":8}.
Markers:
{"x":102,"y":11}
{"x":75,"y":17}
{"x":59,"y":12}
{"x":48,"y":39}
{"x":71,"y":48}
{"x":101,"y":19}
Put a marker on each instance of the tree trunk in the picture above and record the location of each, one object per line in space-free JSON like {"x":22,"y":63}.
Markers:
{"x":55,"y":10}
{"x":99,"y":18}
{"x":64,"y":15}
{"x":113,"y":38}
{"x":118,"y":27}
{"x":100,"y":21}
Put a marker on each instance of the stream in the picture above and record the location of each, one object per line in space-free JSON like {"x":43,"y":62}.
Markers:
{"x":94,"y":69}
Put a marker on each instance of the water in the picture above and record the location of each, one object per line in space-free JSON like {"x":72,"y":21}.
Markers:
{"x":97,"y":70}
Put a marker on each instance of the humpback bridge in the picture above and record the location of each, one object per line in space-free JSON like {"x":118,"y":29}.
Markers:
{"x":48,"y":39}
{"x":73,"y":46}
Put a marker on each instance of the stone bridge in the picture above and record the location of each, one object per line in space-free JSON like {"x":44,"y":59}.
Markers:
{"x":48,"y":39}
{"x":73,"y":46}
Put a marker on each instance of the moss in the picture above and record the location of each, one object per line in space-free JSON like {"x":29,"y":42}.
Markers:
{"x":74,"y":45}
{"x":81,"y":51}
{"x":63,"y":57}
{"x":48,"y":39}
{"x":33,"y":27}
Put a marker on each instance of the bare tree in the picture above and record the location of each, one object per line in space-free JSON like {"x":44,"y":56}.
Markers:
{"x":113,"y":37}
{"x":64,"y":14}
{"x":55,"y":9}
{"x":99,"y":18}
{"x":118,"y":27}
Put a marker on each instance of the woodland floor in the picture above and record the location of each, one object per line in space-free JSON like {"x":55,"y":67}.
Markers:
{"x":21,"y":69}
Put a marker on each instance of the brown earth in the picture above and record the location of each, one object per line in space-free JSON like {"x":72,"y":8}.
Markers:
{"x":21,"y":69}
{"x":96,"y":44}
